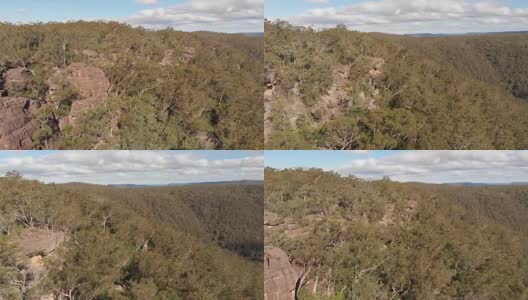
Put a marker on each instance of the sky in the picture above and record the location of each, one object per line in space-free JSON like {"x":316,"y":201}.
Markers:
{"x":405,"y":166}
{"x":188,"y":15}
{"x":134,"y":167}
{"x":404,"y":16}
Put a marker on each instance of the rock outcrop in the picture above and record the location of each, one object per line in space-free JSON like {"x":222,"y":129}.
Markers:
{"x":17,"y":114}
{"x":337,"y":99}
{"x":17,"y":124}
{"x":283,"y":277}
{"x":288,"y":226}
{"x":280,"y":276}
{"x":17,"y":80}
{"x":341,"y":96}
{"x":92,"y":86}
{"x":271,"y":219}
{"x":291,"y":107}
{"x":32,"y":248}
{"x":33,"y":242}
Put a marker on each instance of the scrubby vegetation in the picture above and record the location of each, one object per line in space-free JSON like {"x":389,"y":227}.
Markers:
{"x":188,"y":242}
{"x":340,"y":89}
{"x":166,"y":89}
{"x":380,"y":239}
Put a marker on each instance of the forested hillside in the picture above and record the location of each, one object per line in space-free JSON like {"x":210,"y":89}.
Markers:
{"x":96,"y":85}
{"x":80,"y":241}
{"x":340,"y":89}
{"x":333,"y":237}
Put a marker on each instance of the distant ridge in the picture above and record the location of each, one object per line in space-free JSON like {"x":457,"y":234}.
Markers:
{"x":485,"y":184}
{"x":464,"y":34}
{"x":251,"y":33}
{"x":242,"y":182}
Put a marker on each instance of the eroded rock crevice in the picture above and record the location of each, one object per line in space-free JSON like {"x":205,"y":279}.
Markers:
{"x":355,"y":86}
{"x":19,"y":106}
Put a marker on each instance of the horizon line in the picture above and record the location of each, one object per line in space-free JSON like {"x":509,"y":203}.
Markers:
{"x":135,"y":26}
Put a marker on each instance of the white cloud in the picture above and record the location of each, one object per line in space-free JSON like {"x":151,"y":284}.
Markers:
{"x":147,"y":2}
{"x":317,"y":1}
{"x":411,"y":16}
{"x":212,"y":15}
{"x":443,"y":166}
{"x":143,"y":167}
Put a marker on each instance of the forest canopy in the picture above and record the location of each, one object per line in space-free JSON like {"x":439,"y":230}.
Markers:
{"x":347,"y":238}
{"x":107,"y":85}
{"x":340,"y":89}
{"x":185,"y":242}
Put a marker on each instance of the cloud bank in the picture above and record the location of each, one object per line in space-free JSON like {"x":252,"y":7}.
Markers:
{"x":413,"y":16}
{"x":136,"y":167}
{"x":443,"y":166}
{"x":210,"y":15}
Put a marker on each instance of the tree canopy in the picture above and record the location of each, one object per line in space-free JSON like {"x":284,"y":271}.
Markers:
{"x":189,"y":242}
{"x":340,"y":89}
{"x":388,"y":240}
{"x":167,"y":89}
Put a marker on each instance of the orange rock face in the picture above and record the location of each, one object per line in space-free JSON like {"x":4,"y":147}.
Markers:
{"x":92,"y":85}
{"x":280,"y":276}
{"x":17,"y":79}
{"x":16,"y":123}
{"x":39,"y":241}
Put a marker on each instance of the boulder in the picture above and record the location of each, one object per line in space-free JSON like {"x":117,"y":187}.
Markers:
{"x":17,"y":80}
{"x":271,"y":218}
{"x":92,"y":87}
{"x":89,"y":81}
{"x":35,"y":242}
{"x":79,"y":107}
{"x":36,"y":245}
{"x":17,"y":124}
{"x":280,"y":276}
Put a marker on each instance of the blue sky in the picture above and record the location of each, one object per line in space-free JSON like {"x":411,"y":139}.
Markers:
{"x":134,"y":167}
{"x":187,"y":15}
{"x":317,"y":159}
{"x":56,"y":10}
{"x":404,"y":16}
{"x":421,"y":166}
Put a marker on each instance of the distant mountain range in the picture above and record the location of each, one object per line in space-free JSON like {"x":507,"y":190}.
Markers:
{"x":246,"y":182}
{"x":485,"y":184}
{"x":252,"y":33}
{"x":464,"y":34}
